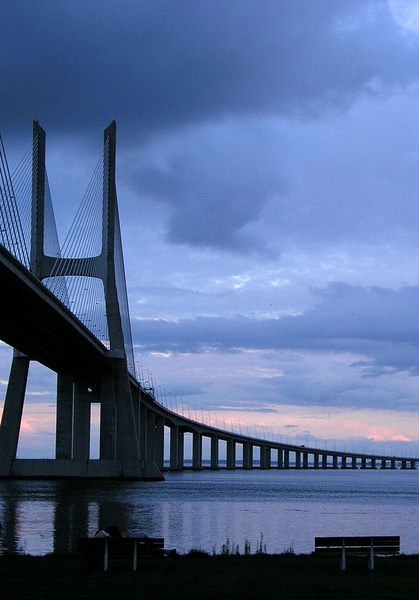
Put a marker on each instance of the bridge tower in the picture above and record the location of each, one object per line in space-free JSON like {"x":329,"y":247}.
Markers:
{"x":120,"y":454}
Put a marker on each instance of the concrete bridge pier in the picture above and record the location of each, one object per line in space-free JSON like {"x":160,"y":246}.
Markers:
{"x":12,"y":412}
{"x":280,"y":463}
{"x":335,"y":462}
{"x":305,"y":460}
{"x":373,"y":463}
{"x":107,"y":450}
{"x":324,"y":461}
{"x":265,"y":457}
{"x":127,"y":448}
{"x":231,"y":454}
{"x":142,"y":429}
{"x":159,"y":441}
{"x":136,"y":403}
{"x":196,"y":451}
{"x":64,"y":417}
{"x":176,"y":448}
{"x":247,"y":455}
{"x":150,"y":427}
{"x":150,"y":442}
{"x":354,"y":463}
{"x":214,"y":452}
{"x":81,"y":424}
{"x":286,"y":459}
{"x":363,"y":463}
{"x":316,"y":460}
{"x":298,"y":459}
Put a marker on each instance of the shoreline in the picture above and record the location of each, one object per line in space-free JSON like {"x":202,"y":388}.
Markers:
{"x":205,"y":577}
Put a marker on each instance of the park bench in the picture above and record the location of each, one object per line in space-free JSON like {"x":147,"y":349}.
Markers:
{"x":100,"y":550}
{"x":370,"y":546}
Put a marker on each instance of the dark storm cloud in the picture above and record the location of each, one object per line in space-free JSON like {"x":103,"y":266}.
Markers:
{"x":380,"y":324}
{"x":165,"y":68}
{"x":215,"y":180}
{"x":153,"y":65}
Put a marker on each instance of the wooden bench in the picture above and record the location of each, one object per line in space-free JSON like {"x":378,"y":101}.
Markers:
{"x":360,"y":545}
{"x":100,"y":550}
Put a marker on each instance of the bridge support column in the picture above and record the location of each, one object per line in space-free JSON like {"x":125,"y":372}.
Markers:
{"x":305,"y":460}
{"x":196,"y":451}
{"x":64,"y":420}
{"x":263,"y":457}
{"x":107,"y":419}
{"x":159,"y":441}
{"x":136,"y":411}
{"x":181,"y":449}
{"x":280,"y":458}
{"x":363,"y":463}
{"x":12,"y":411}
{"x":176,"y":448}
{"x":343,"y":462}
{"x":127,"y":451}
{"x":373,"y":463}
{"x":267,"y":457}
{"x":316,"y":460}
{"x":286,"y":459}
{"x":413,"y":464}
{"x":393,"y":463}
{"x":142,"y":436}
{"x":150,"y":435}
{"x":354,"y":462}
{"x":324,"y":461}
{"x":383,"y":463}
{"x":335,"y":461}
{"x":214,"y":452}
{"x":81,"y":439}
{"x":231,"y":454}
{"x":298,"y":460}
{"x":247,"y":455}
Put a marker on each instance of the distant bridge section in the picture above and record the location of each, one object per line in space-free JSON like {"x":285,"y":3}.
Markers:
{"x":271,"y":455}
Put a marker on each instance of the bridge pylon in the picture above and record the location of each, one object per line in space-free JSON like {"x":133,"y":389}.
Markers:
{"x":77,"y":388}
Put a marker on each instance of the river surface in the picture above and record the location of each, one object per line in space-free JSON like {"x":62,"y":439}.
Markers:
{"x":204,"y":509}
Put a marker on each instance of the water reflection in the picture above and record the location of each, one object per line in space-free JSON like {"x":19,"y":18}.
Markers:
{"x":204,"y":509}
{"x":39,"y":517}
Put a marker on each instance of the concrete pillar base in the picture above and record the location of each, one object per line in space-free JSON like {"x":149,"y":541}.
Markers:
{"x":12,"y":412}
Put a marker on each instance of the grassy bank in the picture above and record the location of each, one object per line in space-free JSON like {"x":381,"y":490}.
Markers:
{"x":207,"y":578}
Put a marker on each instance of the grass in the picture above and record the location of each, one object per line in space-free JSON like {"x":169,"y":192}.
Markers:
{"x":205,"y":577}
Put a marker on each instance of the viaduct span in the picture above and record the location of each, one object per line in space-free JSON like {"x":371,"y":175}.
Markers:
{"x":67,"y":309}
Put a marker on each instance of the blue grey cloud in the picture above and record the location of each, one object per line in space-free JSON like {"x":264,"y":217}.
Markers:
{"x":380,"y":324}
{"x":169,"y":67}
{"x":154,"y":65}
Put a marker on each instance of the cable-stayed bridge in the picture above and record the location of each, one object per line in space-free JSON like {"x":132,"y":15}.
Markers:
{"x":67,"y":308}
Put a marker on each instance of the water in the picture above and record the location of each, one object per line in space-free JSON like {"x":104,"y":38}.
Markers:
{"x":203,"y":509}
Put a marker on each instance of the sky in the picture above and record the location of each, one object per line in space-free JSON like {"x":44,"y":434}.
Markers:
{"x":268,"y":184}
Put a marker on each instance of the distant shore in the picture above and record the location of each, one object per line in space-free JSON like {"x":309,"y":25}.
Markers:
{"x":254,"y":577}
